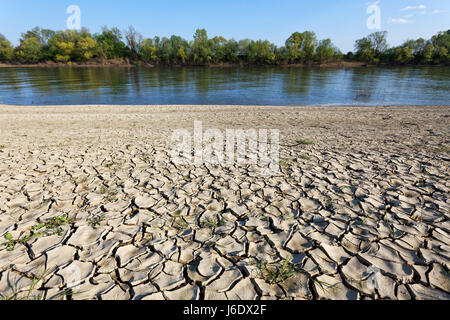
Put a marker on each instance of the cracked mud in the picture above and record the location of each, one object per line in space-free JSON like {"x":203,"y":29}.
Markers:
{"x":91,"y":205}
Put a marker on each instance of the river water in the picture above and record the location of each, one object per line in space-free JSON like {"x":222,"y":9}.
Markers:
{"x":287,"y":86}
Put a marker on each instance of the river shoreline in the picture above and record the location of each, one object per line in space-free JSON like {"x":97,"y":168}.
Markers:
{"x":113,"y":64}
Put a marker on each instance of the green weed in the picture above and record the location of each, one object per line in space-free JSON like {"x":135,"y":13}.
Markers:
{"x":277,"y":273}
{"x":305,"y":142}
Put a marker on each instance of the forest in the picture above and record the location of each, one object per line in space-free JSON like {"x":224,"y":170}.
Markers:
{"x":72,"y":46}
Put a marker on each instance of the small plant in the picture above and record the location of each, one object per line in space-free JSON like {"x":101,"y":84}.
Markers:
{"x":329,"y":205}
{"x":11,"y":243}
{"x":324,"y":285}
{"x":96,"y":221}
{"x":110,"y":164}
{"x":305,"y":142}
{"x":53,"y":225}
{"x":211,"y":244}
{"x":109,"y":193}
{"x":180,"y":223}
{"x":84,"y":180}
{"x":44,"y":202}
{"x":304,"y":156}
{"x":145,"y":157}
{"x":441,"y":149}
{"x":213,"y":223}
{"x":277,"y":273}
{"x":285,"y":163}
{"x":2,"y":147}
{"x":29,"y":293}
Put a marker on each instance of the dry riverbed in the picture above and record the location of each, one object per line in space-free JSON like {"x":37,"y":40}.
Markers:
{"x":91,"y":205}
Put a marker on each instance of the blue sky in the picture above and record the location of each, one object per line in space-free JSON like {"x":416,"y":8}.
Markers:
{"x":343,"y":21}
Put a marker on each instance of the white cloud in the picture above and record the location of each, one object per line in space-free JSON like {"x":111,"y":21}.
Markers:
{"x":400,"y":21}
{"x":419,"y":7}
{"x":438,"y":11}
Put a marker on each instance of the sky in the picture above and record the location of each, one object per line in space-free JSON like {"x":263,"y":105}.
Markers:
{"x":343,"y":21}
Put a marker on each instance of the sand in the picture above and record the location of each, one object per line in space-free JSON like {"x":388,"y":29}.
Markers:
{"x":359,"y":209}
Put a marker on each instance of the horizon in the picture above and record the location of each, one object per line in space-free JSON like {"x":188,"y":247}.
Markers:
{"x":403,"y":20}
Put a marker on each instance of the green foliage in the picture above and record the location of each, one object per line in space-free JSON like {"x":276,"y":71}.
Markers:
{"x":326,"y":52}
{"x":277,"y":273}
{"x":53,"y":225}
{"x":373,"y":49}
{"x":109,"y":193}
{"x":260,"y":52}
{"x":202,"y":48}
{"x":364,"y":50}
{"x":441,"y":44}
{"x":110,"y":44}
{"x":72,"y":45}
{"x":6,"y":50}
{"x":149,"y":51}
{"x":29,"y":51}
{"x":48,"y":227}
{"x":32,"y":292}
{"x":305,"y":142}
{"x":213,"y":223}
{"x":301,"y":47}
{"x":40,"y":45}
{"x":11,"y":243}
{"x":96,"y":221}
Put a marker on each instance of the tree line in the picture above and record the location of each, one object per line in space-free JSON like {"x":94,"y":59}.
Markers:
{"x":43,"y":45}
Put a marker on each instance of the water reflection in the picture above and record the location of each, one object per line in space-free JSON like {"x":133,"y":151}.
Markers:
{"x":297,"y":81}
{"x":261,"y":86}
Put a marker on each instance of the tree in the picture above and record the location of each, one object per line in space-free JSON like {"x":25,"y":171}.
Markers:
{"x":43,"y":36}
{"x":364,"y":50}
{"x":85,"y":47}
{"x":29,"y":51}
{"x":426,"y":54}
{"x":406,"y":53}
{"x":149,"y":52}
{"x":231,"y":51}
{"x":301,"y":47}
{"x":261,"y":52}
{"x":163,"y":50}
{"x":6,"y":50}
{"x":371,"y":48}
{"x":379,"y":42}
{"x":441,"y":44}
{"x":72,"y":45}
{"x":202,"y":47}
{"x":134,"y":40}
{"x":179,"y":51}
{"x":403,"y":55}
{"x":110,"y":44}
{"x":325,"y":51}
{"x":219,"y":45}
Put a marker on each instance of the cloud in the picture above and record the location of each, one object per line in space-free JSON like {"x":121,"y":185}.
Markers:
{"x":419,"y":7}
{"x":400,"y":21}
{"x":438,"y":11}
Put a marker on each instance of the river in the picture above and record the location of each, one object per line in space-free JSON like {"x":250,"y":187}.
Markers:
{"x":287,"y":86}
